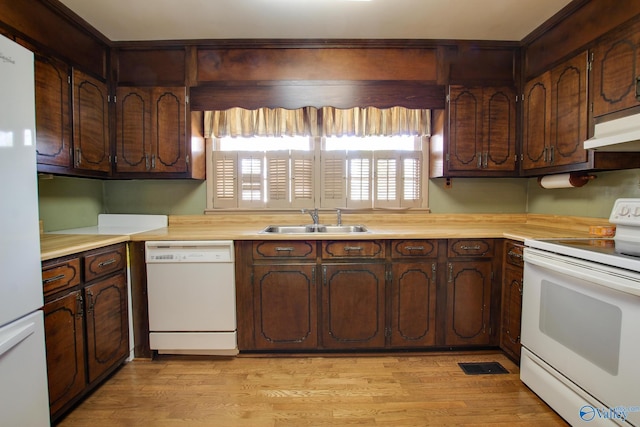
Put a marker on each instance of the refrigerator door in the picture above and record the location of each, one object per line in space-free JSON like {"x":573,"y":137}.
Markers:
{"x":24,"y":398}
{"x":21,"y":279}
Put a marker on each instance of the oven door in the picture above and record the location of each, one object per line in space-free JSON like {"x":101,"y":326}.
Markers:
{"x":582,"y":320}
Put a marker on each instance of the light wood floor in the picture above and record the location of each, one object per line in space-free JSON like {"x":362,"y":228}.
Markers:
{"x":406,"y":390}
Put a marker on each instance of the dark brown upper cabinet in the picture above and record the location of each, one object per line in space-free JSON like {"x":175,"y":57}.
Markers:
{"x":615,"y":73}
{"x":481,"y":138}
{"x":91,"y":145}
{"x":53,"y":114}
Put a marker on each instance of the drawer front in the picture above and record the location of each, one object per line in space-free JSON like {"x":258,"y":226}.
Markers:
{"x":347,"y":249}
{"x":470,"y":247}
{"x":414,"y":248}
{"x":284,"y":249}
{"x":104,"y":261}
{"x":513,"y":254}
{"x":58,"y":275}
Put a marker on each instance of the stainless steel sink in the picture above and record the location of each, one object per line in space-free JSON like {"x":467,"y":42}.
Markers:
{"x":315,"y":228}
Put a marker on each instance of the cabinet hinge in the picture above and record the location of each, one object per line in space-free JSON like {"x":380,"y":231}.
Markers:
{"x":448,"y":98}
{"x":387,"y":332}
{"x":389,"y":275}
{"x":186,"y":99}
{"x":522,"y":97}
{"x":115,"y":160}
{"x":69,"y":79}
{"x":591,"y":107}
{"x":517,"y":98}
{"x":447,"y":157}
{"x":187,"y":159}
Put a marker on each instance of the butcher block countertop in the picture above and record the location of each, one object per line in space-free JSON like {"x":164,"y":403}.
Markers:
{"x":407,"y":225}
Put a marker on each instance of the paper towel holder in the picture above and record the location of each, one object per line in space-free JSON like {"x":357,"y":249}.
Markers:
{"x":565,"y":180}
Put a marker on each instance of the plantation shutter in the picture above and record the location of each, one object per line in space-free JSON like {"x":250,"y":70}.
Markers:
{"x":225,"y":175}
{"x":302,"y":177}
{"x":359,"y":173}
{"x":332,"y":181}
{"x":250,"y":178}
{"x":386,"y":179}
{"x":411,"y":179}
{"x":277,"y":179}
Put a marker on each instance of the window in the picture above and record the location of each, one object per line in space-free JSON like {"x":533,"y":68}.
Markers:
{"x":269,"y":173}
{"x":294,"y":172}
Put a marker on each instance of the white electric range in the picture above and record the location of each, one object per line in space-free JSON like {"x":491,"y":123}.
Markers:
{"x":581,"y":323}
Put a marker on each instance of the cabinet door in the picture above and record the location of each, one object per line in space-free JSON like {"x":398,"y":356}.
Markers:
{"x":537,"y":122}
{"x":353,"y":301}
{"x":468,"y":311}
{"x":64,"y":336}
{"x":465,"y":128}
{"x":53,"y":106}
{"x":168,"y":130}
{"x":499,"y":129}
{"x":413,"y":299}
{"x":107,"y":324}
{"x":616,"y":65}
{"x":133,"y":133}
{"x":285,"y":306}
{"x":511,"y":311}
{"x":569,"y":112}
{"x":90,"y":123}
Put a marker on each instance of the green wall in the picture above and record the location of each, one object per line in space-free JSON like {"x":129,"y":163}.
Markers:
{"x":76,"y":202}
{"x":69,"y":202}
{"x":595,"y":199}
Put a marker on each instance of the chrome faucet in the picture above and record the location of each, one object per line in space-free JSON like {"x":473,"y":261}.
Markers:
{"x":339,"y":215}
{"x":314,"y":215}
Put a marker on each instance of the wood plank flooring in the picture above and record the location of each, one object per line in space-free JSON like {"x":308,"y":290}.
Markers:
{"x":369,"y":390}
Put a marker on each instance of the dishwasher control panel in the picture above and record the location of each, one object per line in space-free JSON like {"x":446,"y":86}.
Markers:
{"x":188,"y":251}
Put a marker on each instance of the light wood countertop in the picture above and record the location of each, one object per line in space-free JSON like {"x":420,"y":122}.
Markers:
{"x":57,"y":245}
{"x":381,"y":226}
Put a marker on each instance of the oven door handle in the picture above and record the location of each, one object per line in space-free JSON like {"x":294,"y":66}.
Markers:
{"x":608,"y":277}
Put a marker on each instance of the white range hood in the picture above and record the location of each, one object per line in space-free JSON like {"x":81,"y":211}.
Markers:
{"x":622,"y":135}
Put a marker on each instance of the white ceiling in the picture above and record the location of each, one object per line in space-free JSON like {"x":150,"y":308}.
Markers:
{"x":134,"y":20}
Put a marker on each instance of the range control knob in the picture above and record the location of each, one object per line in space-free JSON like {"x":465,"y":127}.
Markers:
{"x":624,"y":210}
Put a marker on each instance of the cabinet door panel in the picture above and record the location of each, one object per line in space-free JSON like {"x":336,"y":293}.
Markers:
{"x":64,"y":335}
{"x":499,"y":129}
{"x":465,"y":128}
{"x":168,"y":126}
{"x":569,"y":112}
{"x":353,"y":306}
{"x":107,"y":325}
{"x":616,"y":64}
{"x":413,"y":311}
{"x":285,"y":301}
{"x":53,"y":106}
{"x":91,"y":123}
{"x":537,"y":122}
{"x":133,"y":134}
{"x":468,"y":303}
{"x":511,"y":311}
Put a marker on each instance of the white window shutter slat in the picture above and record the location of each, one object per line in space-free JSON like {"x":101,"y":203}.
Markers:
{"x":302,"y":176}
{"x":359,"y":179}
{"x":224,"y":179}
{"x":411,"y":180}
{"x":278,"y":179}
{"x":386,"y":179}
{"x":251,"y":178}
{"x":333,"y":174}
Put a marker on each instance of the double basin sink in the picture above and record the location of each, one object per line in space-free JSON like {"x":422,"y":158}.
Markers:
{"x":314,"y":228}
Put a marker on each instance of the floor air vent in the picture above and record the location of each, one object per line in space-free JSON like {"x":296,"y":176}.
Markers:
{"x":481,"y":368}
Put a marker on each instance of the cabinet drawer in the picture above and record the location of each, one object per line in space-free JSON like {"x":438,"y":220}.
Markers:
{"x":104,"y":261}
{"x":60,"y":274}
{"x":284,"y":249}
{"x":470,"y":247}
{"x":513,"y":254}
{"x":352,"y":249}
{"x":414,"y":248}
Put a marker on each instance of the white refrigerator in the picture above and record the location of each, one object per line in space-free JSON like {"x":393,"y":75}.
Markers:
{"x":24,"y":399}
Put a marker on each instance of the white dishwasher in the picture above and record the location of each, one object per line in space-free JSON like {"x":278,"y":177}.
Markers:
{"x":192,"y":297}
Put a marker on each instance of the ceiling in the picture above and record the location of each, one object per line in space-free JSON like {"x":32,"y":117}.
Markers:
{"x":137,"y":20}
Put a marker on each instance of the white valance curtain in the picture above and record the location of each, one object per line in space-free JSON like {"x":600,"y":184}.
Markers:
{"x":366,"y":121}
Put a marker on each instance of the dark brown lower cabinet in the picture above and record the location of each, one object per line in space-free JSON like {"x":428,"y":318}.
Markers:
{"x":413,"y":304}
{"x":63,"y":321}
{"x":86,"y":324}
{"x":353,"y":301}
{"x":468,"y":310}
{"x":285,"y":306}
{"x":511,"y":312}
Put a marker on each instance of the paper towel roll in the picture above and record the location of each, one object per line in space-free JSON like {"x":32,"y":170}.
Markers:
{"x":564,"y":180}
